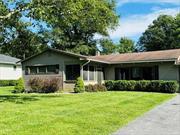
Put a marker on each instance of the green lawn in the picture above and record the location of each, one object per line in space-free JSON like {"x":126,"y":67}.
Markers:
{"x":6,"y":90}
{"x":68,"y":114}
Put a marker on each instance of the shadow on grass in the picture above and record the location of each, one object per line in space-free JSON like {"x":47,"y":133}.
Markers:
{"x":18,"y":99}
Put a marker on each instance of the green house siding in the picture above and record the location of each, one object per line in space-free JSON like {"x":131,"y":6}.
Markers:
{"x":166,"y":70}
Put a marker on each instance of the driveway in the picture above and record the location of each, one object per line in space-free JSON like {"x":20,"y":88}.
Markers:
{"x":162,"y":120}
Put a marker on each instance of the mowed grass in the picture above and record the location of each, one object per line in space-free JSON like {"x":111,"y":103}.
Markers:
{"x":6,"y":90}
{"x":72,"y":114}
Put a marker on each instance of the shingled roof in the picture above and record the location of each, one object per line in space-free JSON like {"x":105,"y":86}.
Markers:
{"x":4,"y":59}
{"x":152,"y":56}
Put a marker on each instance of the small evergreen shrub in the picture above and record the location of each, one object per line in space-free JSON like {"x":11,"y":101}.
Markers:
{"x":19,"y":88}
{"x":79,"y":86}
{"x":95,"y":88}
{"x":8,"y":82}
{"x":148,"y":86}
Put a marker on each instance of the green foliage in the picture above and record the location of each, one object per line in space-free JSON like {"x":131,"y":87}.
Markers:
{"x":19,"y":88}
{"x":107,"y":46}
{"x":95,"y":88}
{"x":163,"y":34}
{"x":125,"y":45}
{"x":148,"y":86}
{"x":39,"y":85}
{"x":8,"y":82}
{"x":74,"y":23}
{"x":69,"y":25}
{"x":79,"y":86}
{"x":15,"y":38}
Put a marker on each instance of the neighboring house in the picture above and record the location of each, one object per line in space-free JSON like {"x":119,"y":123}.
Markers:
{"x":9,"y":69}
{"x":155,"y":65}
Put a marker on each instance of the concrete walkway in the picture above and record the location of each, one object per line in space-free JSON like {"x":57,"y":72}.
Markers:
{"x":163,"y":120}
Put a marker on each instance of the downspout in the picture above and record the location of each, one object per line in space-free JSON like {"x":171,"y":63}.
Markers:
{"x":179,"y":78}
{"x":83,"y":66}
{"x":86,"y":63}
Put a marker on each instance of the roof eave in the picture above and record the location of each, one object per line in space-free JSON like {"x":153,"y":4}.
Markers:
{"x":145,"y":61}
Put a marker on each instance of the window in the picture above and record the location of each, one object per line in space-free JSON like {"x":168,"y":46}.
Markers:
{"x":42,"y":69}
{"x":14,"y":67}
{"x":85,"y":73}
{"x":91,"y":72}
{"x":88,"y":73}
{"x":72,"y":72}
{"x":33,"y":70}
{"x":136,"y":73}
{"x":53,"y":69}
{"x":48,"y":69}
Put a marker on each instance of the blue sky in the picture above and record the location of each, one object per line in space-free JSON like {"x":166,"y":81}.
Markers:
{"x":136,"y":15}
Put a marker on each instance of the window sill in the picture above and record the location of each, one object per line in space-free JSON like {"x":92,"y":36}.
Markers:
{"x":70,"y":81}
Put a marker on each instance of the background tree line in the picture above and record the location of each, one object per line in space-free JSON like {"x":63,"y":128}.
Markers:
{"x":28,"y":27}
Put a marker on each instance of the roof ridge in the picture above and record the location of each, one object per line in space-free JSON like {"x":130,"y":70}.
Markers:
{"x":138,"y":52}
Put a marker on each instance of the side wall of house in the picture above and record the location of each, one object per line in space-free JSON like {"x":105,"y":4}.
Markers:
{"x":10,"y":72}
{"x":167,"y":70}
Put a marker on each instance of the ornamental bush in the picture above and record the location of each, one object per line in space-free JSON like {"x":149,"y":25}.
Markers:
{"x":144,"y":85}
{"x":79,"y":86}
{"x":19,"y":87}
{"x":39,"y":85}
{"x":95,"y":88}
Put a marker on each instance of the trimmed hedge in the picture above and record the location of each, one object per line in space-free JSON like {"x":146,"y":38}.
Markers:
{"x":95,"y":88}
{"x":8,"y":82}
{"x":148,"y":86}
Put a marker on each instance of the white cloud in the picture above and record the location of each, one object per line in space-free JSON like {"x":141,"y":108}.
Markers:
{"x":136,"y":24}
{"x":122,"y":2}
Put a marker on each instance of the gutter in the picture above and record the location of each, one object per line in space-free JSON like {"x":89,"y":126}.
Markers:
{"x":86,"y":63}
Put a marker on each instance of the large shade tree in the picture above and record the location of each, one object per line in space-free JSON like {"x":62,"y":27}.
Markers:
{"x":71,"y":23}
{"x":163,"y":33}
{"x":15,"y":38}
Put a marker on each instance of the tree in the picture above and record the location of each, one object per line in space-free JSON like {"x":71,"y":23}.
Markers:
{"x":107,"y":46}
{"x":125,"y":45}
{"x":72,"y":23}
{"x":163,"y":34}
{"x":15,"y":38}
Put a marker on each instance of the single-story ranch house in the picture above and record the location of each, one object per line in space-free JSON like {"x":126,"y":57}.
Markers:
{"x":67,"y":66}
{"x":9,"y":69}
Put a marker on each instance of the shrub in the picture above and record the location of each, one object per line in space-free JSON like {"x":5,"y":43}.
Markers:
{"x":8,"y":82}
{"x":19,"y":88}
{"x":89,"y":88}
{"x":50,"y":86}
{"x":39,"y":85}
{"x":169,"y":87}
{"x":79,"y":86}
{"x":36,"y":84}
{"x":148,"y":86}
{"x":95,"y":88}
